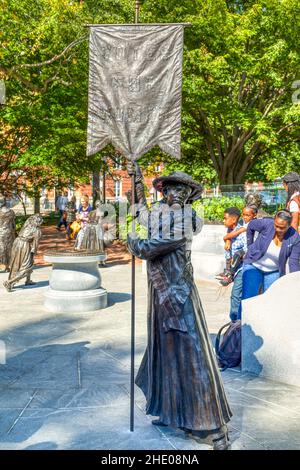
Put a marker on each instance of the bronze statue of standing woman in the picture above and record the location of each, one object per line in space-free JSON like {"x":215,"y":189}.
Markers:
{"x":178,"y":375}
{"x":7,"y":232}
{"x":23,"y":250}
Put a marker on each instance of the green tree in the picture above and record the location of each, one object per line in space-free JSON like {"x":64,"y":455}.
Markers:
{"x":44,"y":62}
{"x":241,"y":64}
{"x":241,"y":60}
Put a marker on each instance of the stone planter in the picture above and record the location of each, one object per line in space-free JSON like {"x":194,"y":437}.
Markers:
{"x":208,"y":256}
{"x":271,"y":332}
{"x":75,"y":282}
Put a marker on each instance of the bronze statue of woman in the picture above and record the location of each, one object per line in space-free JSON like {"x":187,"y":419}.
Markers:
{"x":7,"y":233}
{"x":178,"y":375}
{"x":23,"y":250}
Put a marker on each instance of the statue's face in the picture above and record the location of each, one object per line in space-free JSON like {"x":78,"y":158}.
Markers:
{"x":176,"y":193}
{"x":38,"y":220}
{"x":253,"y":199}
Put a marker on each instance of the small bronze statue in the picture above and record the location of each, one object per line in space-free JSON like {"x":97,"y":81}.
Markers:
{"x":255,"y":199}
{"x":97,"y":235}
{"x":23,"y":250}
{"x":7,"y":232}
{"x":93,"y":233}
{"x":178,"y":375}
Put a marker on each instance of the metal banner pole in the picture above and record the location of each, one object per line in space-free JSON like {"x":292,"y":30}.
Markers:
{"x":132,"y":312}
{"x":136,"y":20}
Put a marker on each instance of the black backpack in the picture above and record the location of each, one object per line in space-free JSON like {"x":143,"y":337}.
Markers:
{"x":228,"y":349}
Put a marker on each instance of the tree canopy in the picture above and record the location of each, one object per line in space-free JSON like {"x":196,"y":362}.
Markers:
{"x":241,"y":66}
{"x":44,"y":62}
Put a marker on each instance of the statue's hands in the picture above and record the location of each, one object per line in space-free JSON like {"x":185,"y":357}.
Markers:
{"x":133,"y":169}
{"x":130,"y":168}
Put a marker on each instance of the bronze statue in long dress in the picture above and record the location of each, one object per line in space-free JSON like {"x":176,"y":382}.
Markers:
{"x":178,"y":374}
{"x":97,"y":234}
{"x":93,"y":238}
{"x":24,"y":248}
{"x":7,"y":233}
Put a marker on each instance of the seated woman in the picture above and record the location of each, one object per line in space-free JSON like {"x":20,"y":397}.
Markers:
{"x":83,"y":211}
{"x":276,"y":247}
{"x":291,"y":183}
{"x":75,"y":227}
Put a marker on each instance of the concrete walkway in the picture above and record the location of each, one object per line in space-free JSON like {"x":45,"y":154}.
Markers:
{"x":65,"y":383}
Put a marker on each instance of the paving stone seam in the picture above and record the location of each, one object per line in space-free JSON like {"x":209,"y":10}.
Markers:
{"x":142,"y":410}
{"x":261,"y":399}
{"x":20,"y":350}
{"x":266,"y":447}
{"x":22,"y":412}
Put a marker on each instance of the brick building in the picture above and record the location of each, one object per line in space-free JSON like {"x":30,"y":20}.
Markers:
{"x":118,"y":183}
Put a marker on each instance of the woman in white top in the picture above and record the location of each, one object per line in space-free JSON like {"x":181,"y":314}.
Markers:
{"x":291,"y":183}
{"x":276,"y":247}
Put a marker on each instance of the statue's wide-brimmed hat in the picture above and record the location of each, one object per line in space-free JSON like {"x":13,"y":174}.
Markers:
{"x":291,"y":177}
{"x":180,"y":178}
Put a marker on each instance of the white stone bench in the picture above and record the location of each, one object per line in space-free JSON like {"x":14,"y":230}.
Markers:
{"x":271,"y":332}
{"x":208,"y":257}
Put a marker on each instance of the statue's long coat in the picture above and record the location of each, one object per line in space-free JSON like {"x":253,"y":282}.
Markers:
{"x":24,"y":248}
{"x":178,"y":374}
{"x":7,"y":234}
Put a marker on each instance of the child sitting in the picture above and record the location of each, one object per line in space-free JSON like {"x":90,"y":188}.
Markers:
{"x":75,"y":227}
{"x":235,"y":240}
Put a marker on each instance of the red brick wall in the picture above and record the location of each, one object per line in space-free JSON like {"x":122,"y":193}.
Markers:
{"x":110,"y":185}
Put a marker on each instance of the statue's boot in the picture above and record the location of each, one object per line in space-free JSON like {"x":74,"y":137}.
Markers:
{"x":10,"y":284}
{"x":28,"y":281}
{"x":220,"y":439}
{"x":158,"y":422}
{"x":7,"y":286}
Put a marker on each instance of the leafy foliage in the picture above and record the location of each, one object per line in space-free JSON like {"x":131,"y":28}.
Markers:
{"x":241,"y":63}
{"x":213,"y":208}
{"x":44,"y":62}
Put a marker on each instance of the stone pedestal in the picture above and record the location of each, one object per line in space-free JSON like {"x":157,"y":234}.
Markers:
{"x":75,"y":283}
{"x":271,"y":332}
{"x":208,"y":258}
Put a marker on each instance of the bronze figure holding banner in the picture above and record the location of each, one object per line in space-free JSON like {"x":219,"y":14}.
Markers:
{"x":179,"y":374}
{"x":135,"y":83}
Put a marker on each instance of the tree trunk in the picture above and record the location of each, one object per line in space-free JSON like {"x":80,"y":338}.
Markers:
{"x":96,"y":187}
{"x":23,"y":204}
{"x":37,"y":204}
{"x":231,"y":174}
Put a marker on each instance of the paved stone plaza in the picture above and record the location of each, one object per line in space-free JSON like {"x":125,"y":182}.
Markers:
{"x":65,"y":384}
